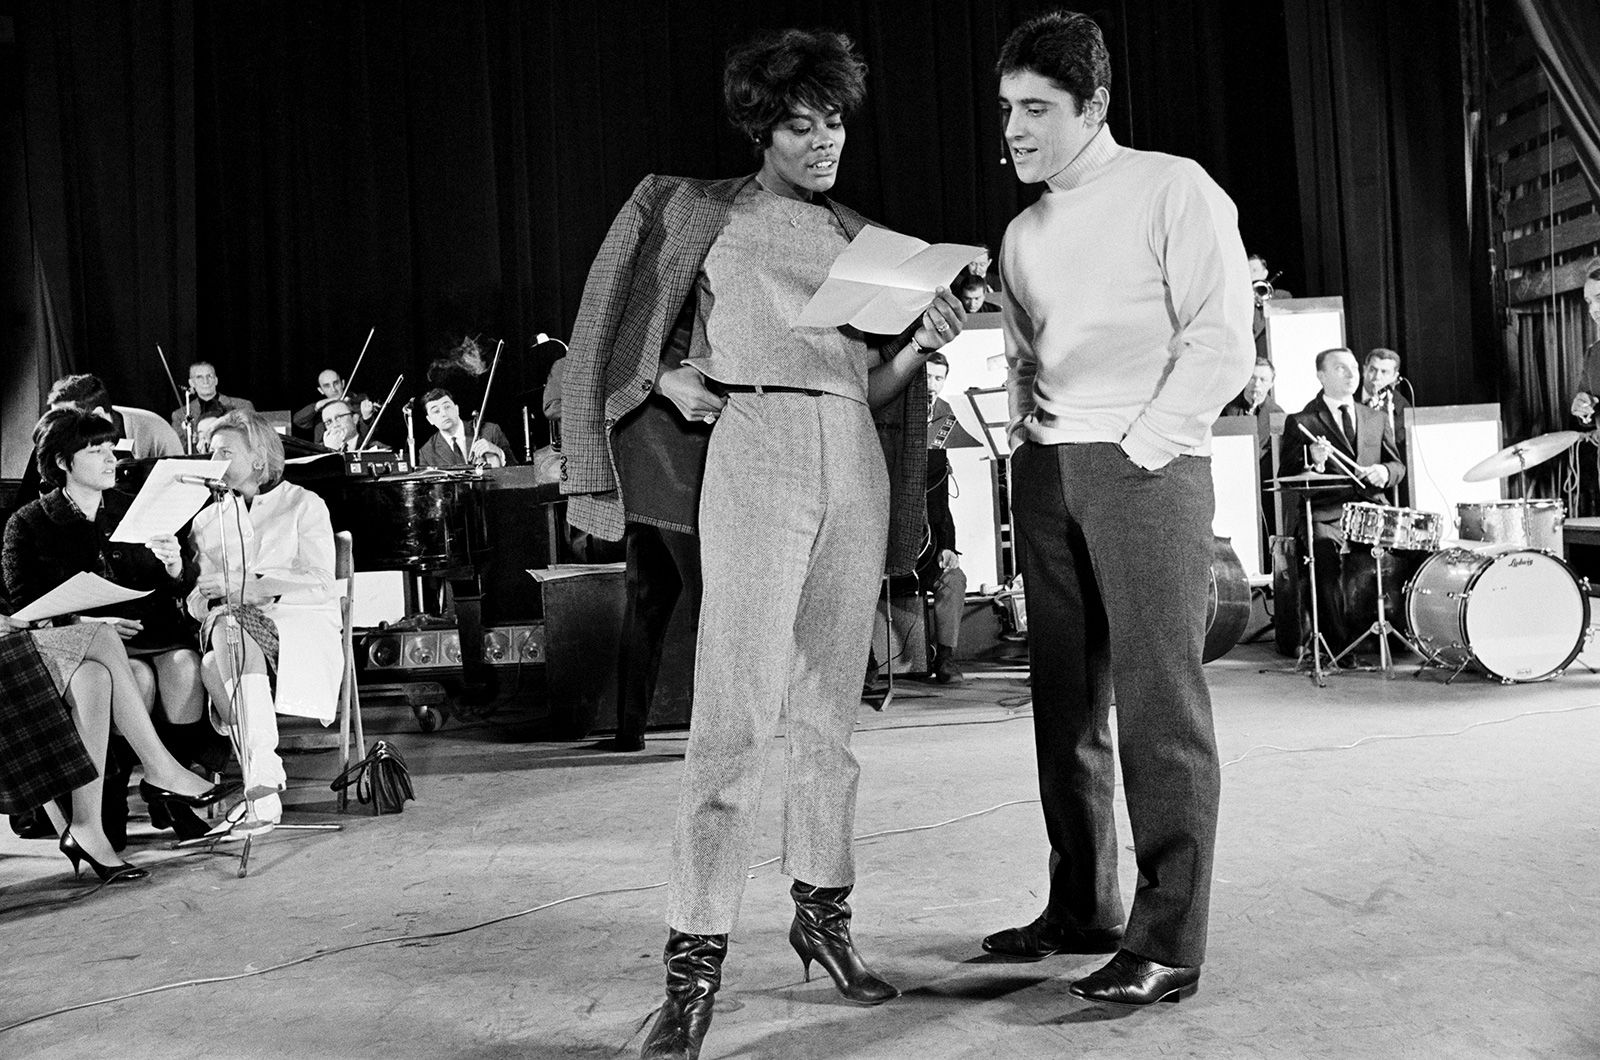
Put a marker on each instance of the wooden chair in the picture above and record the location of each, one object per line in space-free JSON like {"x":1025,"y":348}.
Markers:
{"x":349,"y":704}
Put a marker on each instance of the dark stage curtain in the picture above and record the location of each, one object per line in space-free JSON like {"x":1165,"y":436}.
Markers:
{"x":108,"y":164}
{"x":258,"y":182}
{"x":1383,"y":159}
{"x":1567,"y":34}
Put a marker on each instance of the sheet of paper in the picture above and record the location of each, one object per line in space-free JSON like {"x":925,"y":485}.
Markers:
{"x":81,"y":592}
{"x":164,"y":504}
{"x":573,"y":570}
{"x":882,"y":281}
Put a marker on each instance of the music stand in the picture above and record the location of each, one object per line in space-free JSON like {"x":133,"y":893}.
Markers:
{"x":1308,"y":484}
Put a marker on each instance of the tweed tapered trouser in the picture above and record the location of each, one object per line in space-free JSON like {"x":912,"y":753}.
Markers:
{"x":793,"y":528}
{"x":1116,"y":562}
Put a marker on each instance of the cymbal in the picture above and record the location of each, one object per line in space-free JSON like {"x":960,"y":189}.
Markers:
{"x":1521,"y":456}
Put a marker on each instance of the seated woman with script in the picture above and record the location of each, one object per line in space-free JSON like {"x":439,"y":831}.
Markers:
{"x":68,"y":530}
{"x":265,"y":592}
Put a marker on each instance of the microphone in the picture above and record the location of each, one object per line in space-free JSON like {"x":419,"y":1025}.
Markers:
{"x":216,"y":485}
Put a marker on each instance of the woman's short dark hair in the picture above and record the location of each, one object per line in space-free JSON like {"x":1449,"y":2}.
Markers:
{"x":1064,"y":46}
{"x":64,"y":432}
{"x":767,"y":78}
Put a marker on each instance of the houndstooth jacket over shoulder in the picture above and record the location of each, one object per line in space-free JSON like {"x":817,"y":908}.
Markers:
{"x":643,"y":274}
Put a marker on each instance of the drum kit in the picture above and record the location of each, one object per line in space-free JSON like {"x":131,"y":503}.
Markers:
{"x":1499,"y":595}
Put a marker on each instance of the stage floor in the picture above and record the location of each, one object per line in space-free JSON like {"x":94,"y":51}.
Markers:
{"x":1404,"y":868}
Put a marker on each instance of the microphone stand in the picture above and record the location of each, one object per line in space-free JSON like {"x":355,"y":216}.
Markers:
{"x":411,"y":434}
{"x":190,"y":439}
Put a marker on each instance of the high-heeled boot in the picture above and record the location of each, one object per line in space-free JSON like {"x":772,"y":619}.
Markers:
{"x":694,"y":972}
{"x":259,"y":763}
{"x":821,"y":933}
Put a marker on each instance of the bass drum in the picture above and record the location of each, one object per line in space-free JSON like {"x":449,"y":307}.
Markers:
{"x":1228,"y":606}
{"x":1519,"y":613}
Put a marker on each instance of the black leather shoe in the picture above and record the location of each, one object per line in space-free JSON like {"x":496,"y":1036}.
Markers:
{"x":1130,"y":980}
{"x":1041,"y":939}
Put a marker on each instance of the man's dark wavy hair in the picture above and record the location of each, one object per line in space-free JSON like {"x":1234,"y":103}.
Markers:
{"x":1064,"y":46}
{"x":767,"y":78}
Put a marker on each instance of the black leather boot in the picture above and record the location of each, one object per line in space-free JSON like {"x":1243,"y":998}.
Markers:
{"x":694,"y":972}
{"x":821,"y":933}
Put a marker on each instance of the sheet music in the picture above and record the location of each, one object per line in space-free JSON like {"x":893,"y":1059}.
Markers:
{"x":81,"y":592}
{"x":882,"y":281}
{"x":573,"y":570}
{"x":164,"y":504}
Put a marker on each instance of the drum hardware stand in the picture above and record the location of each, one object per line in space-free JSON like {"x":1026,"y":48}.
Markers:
{"x":1318,"y":644}
{"x":1382,"y":628}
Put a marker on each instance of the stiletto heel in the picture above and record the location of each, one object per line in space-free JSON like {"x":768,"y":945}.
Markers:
{"x":216,"y":793}
{"x":121,"y":872}
{"x":821,"y":932}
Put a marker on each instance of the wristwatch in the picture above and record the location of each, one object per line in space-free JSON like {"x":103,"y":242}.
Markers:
{"x":918,"y":349}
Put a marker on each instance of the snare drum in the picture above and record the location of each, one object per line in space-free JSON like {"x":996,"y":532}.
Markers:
{"x":1402,"y":528}
{"x":1519,"y":613}
{"x":1529,"y":523}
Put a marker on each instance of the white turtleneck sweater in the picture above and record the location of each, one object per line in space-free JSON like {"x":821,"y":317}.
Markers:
{"x":1127,"y":309}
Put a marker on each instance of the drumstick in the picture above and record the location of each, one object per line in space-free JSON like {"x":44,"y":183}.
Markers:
{"x":376,"y":416}
{"x":346,"y":391}
{"x":1346,"y":465}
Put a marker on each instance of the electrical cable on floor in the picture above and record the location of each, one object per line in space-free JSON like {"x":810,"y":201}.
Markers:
{"x":164,"y":987}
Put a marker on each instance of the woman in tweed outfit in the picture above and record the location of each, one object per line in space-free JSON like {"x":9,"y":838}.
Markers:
{"x":688,"y":317}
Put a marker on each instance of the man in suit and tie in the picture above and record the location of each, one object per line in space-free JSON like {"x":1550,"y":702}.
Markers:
{"x":452,"y":444}
{"x":1363,"y":436}
{"x":1380,"y":372}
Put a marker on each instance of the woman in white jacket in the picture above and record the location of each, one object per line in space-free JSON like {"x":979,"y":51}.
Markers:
{"x":267,"y":601}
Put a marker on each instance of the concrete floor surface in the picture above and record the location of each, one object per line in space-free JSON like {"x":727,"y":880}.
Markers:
{"x":1430,"y":891}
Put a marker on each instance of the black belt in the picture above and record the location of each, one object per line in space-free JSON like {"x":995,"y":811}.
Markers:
{"x":740,"y":388}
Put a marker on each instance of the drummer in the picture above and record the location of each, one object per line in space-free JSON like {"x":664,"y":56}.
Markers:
{"x":1363,"y":438}
{"x":453,"y":443}
{"x":1587,"y":399}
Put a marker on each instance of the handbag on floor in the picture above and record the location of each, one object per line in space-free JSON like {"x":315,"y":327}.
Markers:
{"x":381,"y":779}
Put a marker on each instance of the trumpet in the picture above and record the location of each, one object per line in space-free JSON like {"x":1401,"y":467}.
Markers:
{"x":1263,"y":288}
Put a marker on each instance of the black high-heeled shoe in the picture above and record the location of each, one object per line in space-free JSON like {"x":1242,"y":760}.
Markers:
{"x":121,"y":872}
{"x":216,"y":793}
{"x":179,"y":818}
{"x":821,"y":932}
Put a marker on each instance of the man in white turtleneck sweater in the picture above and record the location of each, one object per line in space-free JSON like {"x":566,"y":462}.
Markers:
{"x":1127,"y":325}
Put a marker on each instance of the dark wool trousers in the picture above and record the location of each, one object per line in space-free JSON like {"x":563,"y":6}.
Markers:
{"x":1116,"y":563}
{"x":663,"y":573}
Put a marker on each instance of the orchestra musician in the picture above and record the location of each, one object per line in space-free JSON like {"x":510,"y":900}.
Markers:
{"x":1380,"y":374}
{"x":264,"y":594}
{"x":692,"y":296}
{"x":1261,"y":285}
{"x":69,"y":530}
{"x":452,"y":443}
{"x":1364,"y":436}
{"x":206,"y":402}
{"x":330,"y":385}
{"x":974,"y":293}
{"x":342,"y":427}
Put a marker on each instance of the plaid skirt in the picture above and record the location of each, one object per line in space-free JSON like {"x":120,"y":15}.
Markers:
{"x":261,"y":629}
{"x":41,"y":756}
